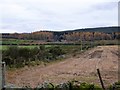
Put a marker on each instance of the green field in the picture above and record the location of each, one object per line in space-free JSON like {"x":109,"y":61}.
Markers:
{"x":15,"y":41}
{"x":4,"y":47}
{"x":64,"y":46}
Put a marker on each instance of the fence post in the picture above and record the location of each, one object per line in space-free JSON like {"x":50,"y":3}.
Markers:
{"x":102,"y":84}
{"x":0,"y":75}
{"x":3,"y":74}
{"x":0,"y":62}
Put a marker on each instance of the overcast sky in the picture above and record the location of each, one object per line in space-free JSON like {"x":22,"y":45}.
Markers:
{"x":35,"y":15}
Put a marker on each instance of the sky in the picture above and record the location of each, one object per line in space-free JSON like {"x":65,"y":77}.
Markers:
{"x":23,"y":16}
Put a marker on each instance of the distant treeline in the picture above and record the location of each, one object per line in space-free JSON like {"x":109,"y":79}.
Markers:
{"x":106,"y":33}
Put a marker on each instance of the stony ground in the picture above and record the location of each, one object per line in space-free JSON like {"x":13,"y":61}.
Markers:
{"x":81,"y":67}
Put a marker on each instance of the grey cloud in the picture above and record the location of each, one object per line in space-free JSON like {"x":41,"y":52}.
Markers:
{"x":28,"y":15}
{"x":106,"y":6}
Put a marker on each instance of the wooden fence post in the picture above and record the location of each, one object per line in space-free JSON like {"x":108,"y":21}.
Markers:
{"x":0,"y":75}
{"x":102,"y":84}
{"x":3,"y":74}
{"x":0,"y":62}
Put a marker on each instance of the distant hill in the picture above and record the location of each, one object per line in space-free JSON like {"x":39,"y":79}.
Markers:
{"x":98,"y":29}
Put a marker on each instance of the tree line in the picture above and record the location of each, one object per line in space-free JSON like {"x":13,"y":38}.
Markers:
{"x":72,"y":36}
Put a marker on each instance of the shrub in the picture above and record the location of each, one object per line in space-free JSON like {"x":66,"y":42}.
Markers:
{"x":17,"y":57}
{"x":56,"y":51}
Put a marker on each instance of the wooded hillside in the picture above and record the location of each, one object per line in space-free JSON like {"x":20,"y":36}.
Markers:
{"x":104,"y":33}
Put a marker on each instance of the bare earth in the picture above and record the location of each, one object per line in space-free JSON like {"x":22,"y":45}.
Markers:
{"x":82,"y":67}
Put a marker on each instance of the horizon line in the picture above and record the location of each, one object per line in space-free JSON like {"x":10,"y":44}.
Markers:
{"x":48,"y":30}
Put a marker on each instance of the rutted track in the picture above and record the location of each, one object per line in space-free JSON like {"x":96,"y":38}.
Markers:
{"x":82,"y":67}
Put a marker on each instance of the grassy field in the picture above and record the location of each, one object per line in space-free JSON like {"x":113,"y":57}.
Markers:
{"x":4,"y":47}
{"x":66,"y":47}
{"x":15,"y":41}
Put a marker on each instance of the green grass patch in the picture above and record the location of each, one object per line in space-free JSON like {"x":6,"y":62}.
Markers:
{"x":15,"y":41}
{"x":5,"y":47}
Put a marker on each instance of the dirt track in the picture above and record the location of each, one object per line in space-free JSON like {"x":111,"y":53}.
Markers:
{"x":82,"y":67}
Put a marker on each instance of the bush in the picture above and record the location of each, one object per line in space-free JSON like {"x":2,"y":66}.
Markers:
{"x":56,"y":51}
{"x":16,"y":57}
